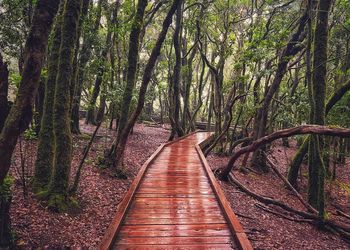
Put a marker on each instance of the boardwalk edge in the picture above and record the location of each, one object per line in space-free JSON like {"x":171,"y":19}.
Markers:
{"x":234,"y":224}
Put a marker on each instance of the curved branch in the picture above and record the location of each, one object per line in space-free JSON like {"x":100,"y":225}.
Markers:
{"x":304,"y":129}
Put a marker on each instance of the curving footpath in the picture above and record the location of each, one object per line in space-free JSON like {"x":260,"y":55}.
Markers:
{"x":176,"y":203}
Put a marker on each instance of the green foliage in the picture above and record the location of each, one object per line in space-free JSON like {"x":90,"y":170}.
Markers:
{"x":339,"y":114}
{"x":5,"y":188}
{"x":15,"y":79}
{"x":30,"y":133}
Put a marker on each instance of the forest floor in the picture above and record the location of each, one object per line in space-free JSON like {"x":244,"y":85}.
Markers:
{"x":270,"y":231}
{"x":100,"y":193}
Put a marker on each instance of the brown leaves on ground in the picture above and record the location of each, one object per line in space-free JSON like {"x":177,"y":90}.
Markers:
{"x":269,"y":231}
{"x":98,"y":195}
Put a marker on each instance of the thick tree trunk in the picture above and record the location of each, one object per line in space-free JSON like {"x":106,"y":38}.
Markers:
{"x":177,"y":72}
{"x":58,"y":191}
{"x":319,"y":79}
{"x":20,"y":114}
{"x":45,"y":152}
{"x":35,"y":51}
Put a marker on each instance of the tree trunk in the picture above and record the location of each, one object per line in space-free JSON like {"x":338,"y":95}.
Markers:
{"x":58,"y":191}
{"x":6,"y":237}
{"x":20,"y":114}
{"x":45,"y":152}
{"x":262,"y":114}
{"x":4,"y":87}
{"x":134,"y":44}
{"x":145,"y":81}
{"x":177,"y":72}
{"x":84,"y":58}
{"x":300,"y":130}
{"x":319,"y":79}
{"x":35,"y":51}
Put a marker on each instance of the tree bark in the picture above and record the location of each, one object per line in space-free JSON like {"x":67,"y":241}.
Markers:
{"x":300,"y":130}
{"x":35,"y":51}
{"x":45,"y":152}
{"x":145,"y":81}
{"x":177,"y":72}
{"x":289,"y":51}
{"x":319,"y":78}
{"x":84,"y":58}
{"x":58,"y":190}
{"x":4,"y":87}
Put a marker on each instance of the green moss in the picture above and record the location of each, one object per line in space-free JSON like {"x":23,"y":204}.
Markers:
{"x":42,"y":194}
{"x":344,"y":187}
{"x":58,"y":203}
{"x":45,"y":153}
{"x":85,"y":137}
{"x":5,"y":188}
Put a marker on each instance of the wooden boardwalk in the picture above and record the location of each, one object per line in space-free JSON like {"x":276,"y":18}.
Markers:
{"x":175,"y":203}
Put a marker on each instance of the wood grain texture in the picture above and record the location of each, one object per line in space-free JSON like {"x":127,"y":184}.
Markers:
{"x":175,"y":203}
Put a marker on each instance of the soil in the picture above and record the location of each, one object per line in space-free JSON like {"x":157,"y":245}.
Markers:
{"x":100,"y":192}
{"x":98,"y":195}
{"x":270,"y":231}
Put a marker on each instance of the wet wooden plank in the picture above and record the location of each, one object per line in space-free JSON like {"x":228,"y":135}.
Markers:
{"x":182,"y":247}
{"x":175,"y":204}
{"x":175,"y":240}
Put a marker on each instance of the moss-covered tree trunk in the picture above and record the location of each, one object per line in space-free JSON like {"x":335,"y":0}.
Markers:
{"x":285,"y":57}
{"x":6,"y":237}
{"x":145,"y":81}
{"x":20,"y":114}
{"x":45,"y":153}
{"x":58,"y":190}
{"x":84,"y":58}
{"x":4,"y":87}
{"x":319,"y":79}
{"x":177,"y":73}
{"x":91,"y":112}
{"x":134,"y":44}
{"x":74,"y":76}
{"x":35,"y":52}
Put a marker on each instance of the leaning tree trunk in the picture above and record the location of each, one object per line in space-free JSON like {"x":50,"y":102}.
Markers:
{"x":91,"y":113}
{"x":319,"y":79}
{"x":84,"y":58}
{"x":35,"y":51}
{"x":287,"y":54}
{"x":45,"y":152}
{"x":58,"y":191}
{"x":20,"y":114}
{"x":134,"y":41}
{"x":145,"y":81}
{"x":4,"y":88}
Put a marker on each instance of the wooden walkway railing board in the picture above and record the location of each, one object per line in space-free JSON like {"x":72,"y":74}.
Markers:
{"x":176,"y":203}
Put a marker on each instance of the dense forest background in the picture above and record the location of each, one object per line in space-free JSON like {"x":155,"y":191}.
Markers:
{"x":255,"y":72}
